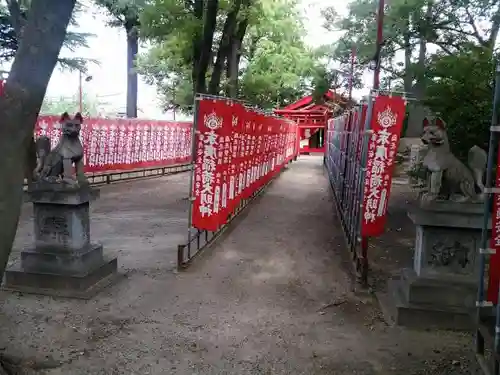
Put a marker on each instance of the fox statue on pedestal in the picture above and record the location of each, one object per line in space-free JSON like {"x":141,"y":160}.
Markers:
{"x":450,"y":179}
{"x":56,"y":165}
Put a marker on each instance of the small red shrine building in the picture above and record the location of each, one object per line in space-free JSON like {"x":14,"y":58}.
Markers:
{"x":312,"y":118}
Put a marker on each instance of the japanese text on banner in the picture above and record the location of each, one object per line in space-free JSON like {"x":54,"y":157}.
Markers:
{"x":387,"y":122}
{"x":120,"y":144}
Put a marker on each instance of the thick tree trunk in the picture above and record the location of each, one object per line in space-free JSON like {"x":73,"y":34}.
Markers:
{"x":420,"y":85}
{"x":16,"y":17}
{"x":43,"y":36}
{"x":224,"y":48}
{"x":234,"y":59}
{"x":132,"y":80}
{"x":207,"y":39}
{"x":197,"y":40}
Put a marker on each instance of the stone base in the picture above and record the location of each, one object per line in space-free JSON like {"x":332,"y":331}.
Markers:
{"x":62,"y":263}
{"x":428,"y":303}
{"x":79,"y":285}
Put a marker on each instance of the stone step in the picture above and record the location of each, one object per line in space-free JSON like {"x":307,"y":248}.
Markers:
{"x":83,"y":286}
{"x":453,"y":290}
{"x":399,"y":312}
{"x":69,"y":263}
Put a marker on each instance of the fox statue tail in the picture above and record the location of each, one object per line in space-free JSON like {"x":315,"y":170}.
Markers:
{"x":42,"y":149}
{"x":477,"y":160}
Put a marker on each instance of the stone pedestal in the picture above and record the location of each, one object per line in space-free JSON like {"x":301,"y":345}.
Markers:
{"x":63,"y":261}
{"x":440,"y":290}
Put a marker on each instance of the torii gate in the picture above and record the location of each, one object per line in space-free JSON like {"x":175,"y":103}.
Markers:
{"x":312,"y":118}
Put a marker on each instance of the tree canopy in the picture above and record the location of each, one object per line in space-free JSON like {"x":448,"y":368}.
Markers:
{"x":13,"y":17}
{"x":247,"y":49}
{"x":440,"y":52}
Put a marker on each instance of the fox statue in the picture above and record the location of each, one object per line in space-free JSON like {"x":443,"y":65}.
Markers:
{"x":56,"y":165}
{"x":449,"y":177}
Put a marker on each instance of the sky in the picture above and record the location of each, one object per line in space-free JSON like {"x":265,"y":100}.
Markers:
{"x":108,"y":46}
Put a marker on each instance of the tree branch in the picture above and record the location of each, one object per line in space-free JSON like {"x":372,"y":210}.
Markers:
{"x":474,"y":27}
{"x":16,"y":17}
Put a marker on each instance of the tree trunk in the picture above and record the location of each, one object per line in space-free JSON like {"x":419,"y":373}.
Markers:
{"x":234,"y":59}
{"x":420,"y":85}
{"x":408,"y":51}
{"x":16,"y":17}
{"x":224,"y":48}
{"x":132,"y":51}
{"x":43,"y":36}
{"x":197,"y":40}
{"x":207,"y":39}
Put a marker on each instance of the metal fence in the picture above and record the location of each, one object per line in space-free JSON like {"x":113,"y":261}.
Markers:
{"x":345,"y":161}
{"x":488,"y":308}
{"x":198,"y":240}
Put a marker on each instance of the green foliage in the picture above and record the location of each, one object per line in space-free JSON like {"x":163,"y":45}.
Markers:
{"x":440,"y":52}
{"x":277,"y":63}
{"x":460,"y":88}
{"x":276,"y":68}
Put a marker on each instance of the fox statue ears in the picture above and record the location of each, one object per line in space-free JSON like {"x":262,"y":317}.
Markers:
{"x":78,"y":117}
{"x":438,"y":122}
{"x":65,"y":117}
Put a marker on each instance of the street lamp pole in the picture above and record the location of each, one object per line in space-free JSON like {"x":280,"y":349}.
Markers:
{"x":380,"y":41}
{"x":80,"y":89}
{"x":80,"y":92}
{"x":351,"y":73}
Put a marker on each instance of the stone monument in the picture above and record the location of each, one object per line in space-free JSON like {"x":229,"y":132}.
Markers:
{"x":63,"y":260}
{"x":439,"y":291}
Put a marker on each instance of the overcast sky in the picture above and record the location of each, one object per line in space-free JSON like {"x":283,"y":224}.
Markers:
{"x":109,"y":47}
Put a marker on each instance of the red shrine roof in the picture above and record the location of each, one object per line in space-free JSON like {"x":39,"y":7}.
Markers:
{"x":309,"y":114}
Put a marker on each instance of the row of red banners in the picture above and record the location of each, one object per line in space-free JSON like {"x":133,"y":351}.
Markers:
{"x":238,"y":151}
{"x":124,"y":144}
{"x":388,"y":114}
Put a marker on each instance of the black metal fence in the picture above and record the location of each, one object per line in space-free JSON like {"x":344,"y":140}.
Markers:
{"x":198,"y":240}
{"x":345,"y":162}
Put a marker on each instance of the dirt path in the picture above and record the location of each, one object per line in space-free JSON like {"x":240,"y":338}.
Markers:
{"x":272,"y":298}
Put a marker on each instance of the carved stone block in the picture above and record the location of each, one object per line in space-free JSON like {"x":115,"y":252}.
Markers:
{"x":61,"y":228}
{"x":440,"y":251}
{"x":63,"y":261}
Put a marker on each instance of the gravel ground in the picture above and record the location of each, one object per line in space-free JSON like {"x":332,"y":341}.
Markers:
{"x":273,"y":297}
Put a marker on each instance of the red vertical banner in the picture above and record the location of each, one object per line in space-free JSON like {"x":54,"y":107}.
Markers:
{"x":224,"y":159}
{"x":247,"y":157}
{"x":238,"y":115}
{"x":214,"y":119}
{"x":387,"y":121}
{"x":494,"y":266}
{"x":2,"y":84}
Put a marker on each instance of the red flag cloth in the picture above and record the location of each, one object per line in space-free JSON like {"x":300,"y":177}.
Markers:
{"x":494,"y":268}
{"x":214,"y":120}
{"x":386,"y":124}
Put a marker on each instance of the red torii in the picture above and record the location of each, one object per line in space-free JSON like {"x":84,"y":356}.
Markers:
{"x":312,"y":118}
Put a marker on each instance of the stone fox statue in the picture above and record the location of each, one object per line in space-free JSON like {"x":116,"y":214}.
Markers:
{"x":449,"y":177}
{"x":57,"y":164}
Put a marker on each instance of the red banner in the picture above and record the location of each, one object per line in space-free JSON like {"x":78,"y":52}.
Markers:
{"x":386,"y":125}
{"x":494,"y":269}
{"x":2,"y":83}
{"x":123,"y":144}
{"x":238,"y":151}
